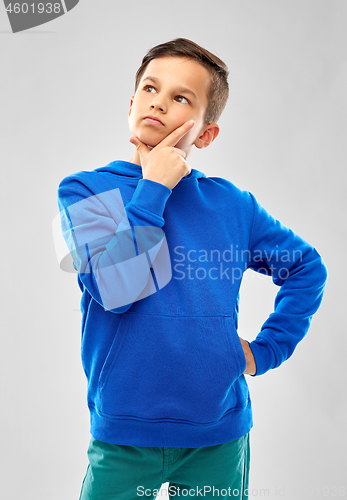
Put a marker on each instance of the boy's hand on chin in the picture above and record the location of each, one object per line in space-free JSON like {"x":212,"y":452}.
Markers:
{"x":164,"y":163}
{"x":251,"y":366}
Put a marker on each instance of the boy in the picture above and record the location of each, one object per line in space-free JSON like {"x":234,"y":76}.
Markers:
{"x":160,"y":250}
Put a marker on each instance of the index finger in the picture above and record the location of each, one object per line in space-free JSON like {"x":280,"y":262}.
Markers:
{"x":177,"y":134}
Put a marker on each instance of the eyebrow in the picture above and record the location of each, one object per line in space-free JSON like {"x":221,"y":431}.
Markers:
{"x":179,"y":89}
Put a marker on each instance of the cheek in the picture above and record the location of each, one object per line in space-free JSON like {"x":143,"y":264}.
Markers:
{"x":133,"y":120}
{"x":135,"y":109}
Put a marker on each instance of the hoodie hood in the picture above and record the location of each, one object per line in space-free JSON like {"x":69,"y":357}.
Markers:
{"x":132,"y":170}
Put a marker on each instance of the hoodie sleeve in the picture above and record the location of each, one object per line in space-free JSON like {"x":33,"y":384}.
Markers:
{"x":299,"y":271}
{"x":114,"y":247}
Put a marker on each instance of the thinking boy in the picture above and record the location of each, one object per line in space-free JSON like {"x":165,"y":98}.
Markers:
{"x":167,"y":392}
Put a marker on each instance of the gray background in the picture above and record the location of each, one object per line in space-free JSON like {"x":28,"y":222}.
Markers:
{"x":65,"y":92}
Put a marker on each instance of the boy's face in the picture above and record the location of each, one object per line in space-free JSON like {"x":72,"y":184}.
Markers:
{"x":173,"y":90}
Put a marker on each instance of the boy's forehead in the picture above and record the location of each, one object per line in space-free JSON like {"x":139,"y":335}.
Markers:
{"x":180,"y":71}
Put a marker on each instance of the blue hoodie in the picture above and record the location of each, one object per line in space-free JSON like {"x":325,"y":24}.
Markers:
{"x":160,"y":272}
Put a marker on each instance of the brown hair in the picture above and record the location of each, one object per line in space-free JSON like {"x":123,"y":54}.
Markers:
{"x":181,"y":47}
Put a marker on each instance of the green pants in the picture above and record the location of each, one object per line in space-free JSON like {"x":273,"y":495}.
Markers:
{"x":118,"y":472}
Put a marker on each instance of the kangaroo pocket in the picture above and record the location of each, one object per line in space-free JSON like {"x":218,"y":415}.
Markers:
{"x":172,"y":367}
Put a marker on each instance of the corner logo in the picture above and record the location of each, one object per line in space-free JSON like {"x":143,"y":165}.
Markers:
{"x":120,"y":263}
{"x":25,"y":15}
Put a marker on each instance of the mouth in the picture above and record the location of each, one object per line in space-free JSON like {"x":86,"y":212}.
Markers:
{"x":152,"y":120}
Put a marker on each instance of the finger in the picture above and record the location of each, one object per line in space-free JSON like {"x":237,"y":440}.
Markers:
{"x":140,"y":146}
{"x":177,"y":134}
{"x":189,"y":169}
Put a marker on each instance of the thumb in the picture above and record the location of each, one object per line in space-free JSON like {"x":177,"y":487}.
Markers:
{"x":140,"y":146}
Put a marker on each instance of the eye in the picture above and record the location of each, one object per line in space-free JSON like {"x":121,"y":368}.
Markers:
{"x":182,"y":97}
{"x":147,"y":88}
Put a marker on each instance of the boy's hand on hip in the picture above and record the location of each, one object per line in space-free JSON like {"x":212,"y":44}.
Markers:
{"x":251,"y":366}
{"x":164,"y":163}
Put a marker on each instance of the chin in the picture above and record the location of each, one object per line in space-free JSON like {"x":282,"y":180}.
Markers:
{"x":149,"y":140}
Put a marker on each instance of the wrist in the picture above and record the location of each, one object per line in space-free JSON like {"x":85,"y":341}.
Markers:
{"x":251,"y":368}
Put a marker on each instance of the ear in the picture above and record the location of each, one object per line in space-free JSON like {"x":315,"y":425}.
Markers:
{"x":131,"y":105}
{"x":209,"y":134}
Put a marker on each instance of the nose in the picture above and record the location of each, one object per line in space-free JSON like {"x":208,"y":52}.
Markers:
{"x":158,"y":104}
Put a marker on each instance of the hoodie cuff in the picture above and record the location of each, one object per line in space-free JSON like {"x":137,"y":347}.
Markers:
{"x":264,"y":356}
{"x":149,"y":198}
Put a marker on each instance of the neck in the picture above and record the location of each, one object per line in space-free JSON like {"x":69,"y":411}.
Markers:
{"x":136,"y":158}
